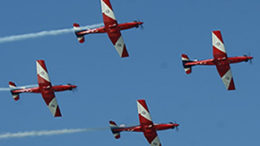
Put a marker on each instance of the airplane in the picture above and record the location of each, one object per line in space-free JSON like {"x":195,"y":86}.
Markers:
{"x":220,"y":60}
{"x":45,"y":88}
{"x":111,"y":27}
{"x":146,"y":125}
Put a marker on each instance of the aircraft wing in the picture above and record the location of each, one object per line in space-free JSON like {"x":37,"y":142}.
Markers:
{"x":219,"y":50}
{"x":46,"y":88}
{"x":108,"y":14}
{"x":152,"y":138}
{"x":118,"y":43}
{"x":225,"y":73}
{"x":111,"y":22}
{"x":143,"y":113}
{"x":146,"y":120}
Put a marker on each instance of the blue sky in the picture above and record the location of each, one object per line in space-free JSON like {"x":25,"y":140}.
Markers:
{"x":109,"y":86}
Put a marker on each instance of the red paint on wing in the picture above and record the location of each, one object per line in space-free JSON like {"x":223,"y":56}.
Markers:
{"x":125,"y":53}
{"x":143,"y":103}
{"x":218,"y":34}
{"x":108,"y":3}
{"x":42,"y":63}
{"x":58,"y":113}
{"x":231,"y":85}
{"x":223,"y":68}
{"x":42,"y":81}
{"x":109,"y":21}
{"x":218,"y":54}
{"x":143,"y":121}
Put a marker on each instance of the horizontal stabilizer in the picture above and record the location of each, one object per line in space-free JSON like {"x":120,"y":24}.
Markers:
{"x":185,"y":59}
{"x":113,"y":127}
{"x":77,"y":30}
{"x":12,"y":86}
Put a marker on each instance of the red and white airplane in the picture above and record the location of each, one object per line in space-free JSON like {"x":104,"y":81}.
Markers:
{"x":45,"y":88}
{"x":146,"y":125}
{"x":112,"y":28}
{"x":220,"y":60}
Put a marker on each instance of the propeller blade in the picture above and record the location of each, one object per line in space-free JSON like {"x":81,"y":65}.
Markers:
{"x":177,"y":129}
{"x":251,"y":61}
{"x":142,"y":27}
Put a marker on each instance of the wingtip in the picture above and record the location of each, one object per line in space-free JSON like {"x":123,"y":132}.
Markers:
{"x":58,"y":113}
{"x":141,"y":100}
{"x":232,"y":85}
{"x":125,"y":53}
{"x":216,"y":31}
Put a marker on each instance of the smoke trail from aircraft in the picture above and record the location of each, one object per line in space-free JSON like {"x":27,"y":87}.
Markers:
{"x":46,"y":133}
{"x":5,"y":89}
{"x":43,"y":33}
{"x":19,"y":87}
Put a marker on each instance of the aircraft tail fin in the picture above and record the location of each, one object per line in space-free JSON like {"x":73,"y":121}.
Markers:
{"x":12,"y":86}
{"x":113,"y":126}
{"x":185,"y":59}
{"x":77,"y":30}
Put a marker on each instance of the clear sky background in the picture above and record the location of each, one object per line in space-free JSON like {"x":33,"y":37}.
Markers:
{"x":109,"y":86}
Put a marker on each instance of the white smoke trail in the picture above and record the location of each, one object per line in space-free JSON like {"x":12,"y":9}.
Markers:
{"x":5,"y":89}
{"x":19,"y":87}
{"x":46,"y":133}
{"x":43,"y":33}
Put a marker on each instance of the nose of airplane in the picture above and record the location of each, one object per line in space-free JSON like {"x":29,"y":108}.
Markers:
{"x":174,"y":124}
{"x":73,"y":86}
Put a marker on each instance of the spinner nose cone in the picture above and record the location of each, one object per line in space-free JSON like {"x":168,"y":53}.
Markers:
{"x":74,"y":86}
{"x":140,"y":23}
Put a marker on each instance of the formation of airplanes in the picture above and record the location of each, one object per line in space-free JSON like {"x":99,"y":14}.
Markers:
{"x":113,"y":30}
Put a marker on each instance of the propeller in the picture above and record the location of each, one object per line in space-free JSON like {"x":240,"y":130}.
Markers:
{"x":176,"y":127}
{"x":250,"y":60}
{"x":73,"y":89}
{"x":140,"y":25}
